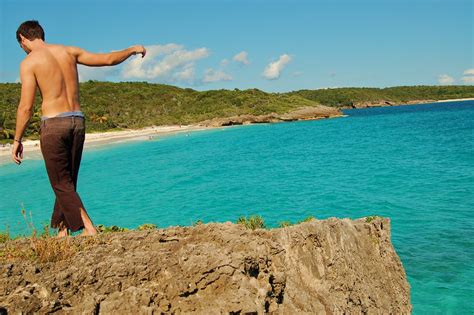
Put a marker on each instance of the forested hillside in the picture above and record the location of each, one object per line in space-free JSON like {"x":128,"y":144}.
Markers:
{"x":110,"y":105}
{"x":345,"y":97}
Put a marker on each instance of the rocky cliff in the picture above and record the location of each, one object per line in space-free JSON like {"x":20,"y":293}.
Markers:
{"x":335,"y":266}
{"x":385,"y":103}
{"x":303,"y":113}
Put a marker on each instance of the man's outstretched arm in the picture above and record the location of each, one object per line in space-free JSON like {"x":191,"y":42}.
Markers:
{"x":25,"y":109}
{"x":109,"y":59}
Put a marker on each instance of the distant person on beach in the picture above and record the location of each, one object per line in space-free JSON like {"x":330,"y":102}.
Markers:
{"x":53,"y":69}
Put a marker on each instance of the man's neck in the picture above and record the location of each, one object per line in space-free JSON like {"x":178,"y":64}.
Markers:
{"x":37,"y":44}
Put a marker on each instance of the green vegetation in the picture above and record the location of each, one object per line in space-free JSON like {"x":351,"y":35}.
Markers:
{"x":114,"y":106}
{"x":109,"y":229}
{"x":134,"y":105}
{"x":340,"y":97}
{"x":307,"y":219}
{"x":147,"y":226}
{"x":5,"y":236}
{"x":372,"y":218}
{"x":253,"y":222}
{"x":283,"y":224}
{"x":198,"y":222}
{"x":114,"y":228}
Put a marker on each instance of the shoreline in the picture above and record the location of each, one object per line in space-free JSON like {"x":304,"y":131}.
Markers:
{"x":383,"y":103}
{"x":100,"y":139}
{"x":456,"y":100}
{"x":31,"y":148}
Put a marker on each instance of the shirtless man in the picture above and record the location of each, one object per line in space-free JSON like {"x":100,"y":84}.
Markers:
{"x":53,"y":69}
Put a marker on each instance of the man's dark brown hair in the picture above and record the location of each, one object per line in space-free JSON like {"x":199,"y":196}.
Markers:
{"x":30,"y":30}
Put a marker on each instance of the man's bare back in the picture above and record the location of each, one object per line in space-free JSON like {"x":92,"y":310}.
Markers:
{"x":55,"y":70}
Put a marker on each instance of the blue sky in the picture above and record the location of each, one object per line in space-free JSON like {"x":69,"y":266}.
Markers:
{"x":271,"y":45}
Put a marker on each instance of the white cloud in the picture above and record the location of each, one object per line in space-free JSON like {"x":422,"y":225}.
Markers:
{"x":468,"y":79}
{"x":212,"y":75}
{"x":224,"y":62}
{"x":242,"y":57}
{"x":469,"y":72}
{"x":327,"y":87}
{"x":445,"y":79}
{"x":186,"y":74}
{"x":167,"y":62}
{"x":273,"y":69}
{"x":297,"y":73}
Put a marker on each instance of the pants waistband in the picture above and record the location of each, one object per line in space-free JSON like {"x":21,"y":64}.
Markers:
{"x":65,"y":114}
{"x":63,"y":121}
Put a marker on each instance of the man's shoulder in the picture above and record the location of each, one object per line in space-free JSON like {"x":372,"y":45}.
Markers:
{"x":56,"y":47}
{"x":28,"y":65}
{"x":71,"y":50}
{"x":28,"y":61}
{"x":32,"y":58}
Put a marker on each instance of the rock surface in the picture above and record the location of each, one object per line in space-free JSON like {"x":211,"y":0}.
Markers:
{"x":384,"y":103}
{"x":303,"y":113}
{"x":335,"y":266}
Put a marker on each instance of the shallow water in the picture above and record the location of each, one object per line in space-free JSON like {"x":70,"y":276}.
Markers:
{"x":414,"y":164}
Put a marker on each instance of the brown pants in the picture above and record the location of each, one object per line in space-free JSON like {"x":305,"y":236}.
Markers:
{"x":62,"y":141}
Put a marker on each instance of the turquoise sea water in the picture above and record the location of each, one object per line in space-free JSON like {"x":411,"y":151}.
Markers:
{"x":414,"y":164}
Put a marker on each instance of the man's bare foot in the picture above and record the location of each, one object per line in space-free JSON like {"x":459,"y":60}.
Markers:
{"x":89,"y":232}
{"x":89,"y":228}
{"x":62,"y":233}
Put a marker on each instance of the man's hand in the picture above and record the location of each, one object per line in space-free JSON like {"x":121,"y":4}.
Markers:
{"x":17,"y":152}
{"x":139,"y":49}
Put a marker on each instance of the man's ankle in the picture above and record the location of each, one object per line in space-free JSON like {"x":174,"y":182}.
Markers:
{"x":89,"y":232}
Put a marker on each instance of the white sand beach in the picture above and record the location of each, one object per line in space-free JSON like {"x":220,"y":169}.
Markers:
{"x":31,"y":148}
{"x":456,"y":100}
